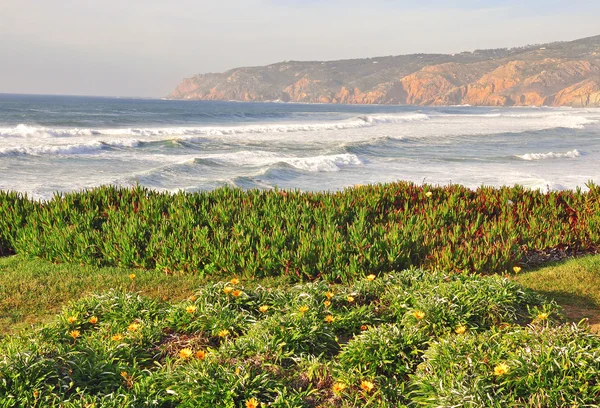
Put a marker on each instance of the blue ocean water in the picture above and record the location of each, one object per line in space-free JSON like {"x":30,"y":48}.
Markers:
{"x":59,"y":143}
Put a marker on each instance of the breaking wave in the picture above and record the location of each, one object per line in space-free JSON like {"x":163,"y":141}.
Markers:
{"x":551,"y":155}
{"x":356,"y":123}
{"x":69,"y":149}
{"x":322,"y":163}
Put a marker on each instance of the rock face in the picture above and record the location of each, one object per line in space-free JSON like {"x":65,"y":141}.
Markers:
{"x":556,"y":74}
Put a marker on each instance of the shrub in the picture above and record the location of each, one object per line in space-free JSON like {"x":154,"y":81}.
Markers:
{"x":537,"y":366}
{"x":339,"y":236}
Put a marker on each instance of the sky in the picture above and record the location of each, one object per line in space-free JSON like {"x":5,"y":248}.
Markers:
{"x":144,"y":48}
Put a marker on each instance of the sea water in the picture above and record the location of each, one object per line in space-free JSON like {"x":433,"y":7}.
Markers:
{"x":52,"y":144}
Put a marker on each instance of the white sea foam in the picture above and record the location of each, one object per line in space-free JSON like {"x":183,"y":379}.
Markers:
{"x":551,"y":155}
{"x":356,"y":123}
{"x":65,"y":149}
{"x":321,"y":163}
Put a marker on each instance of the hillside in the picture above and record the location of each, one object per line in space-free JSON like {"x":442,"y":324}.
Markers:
{"x":556,"y":74}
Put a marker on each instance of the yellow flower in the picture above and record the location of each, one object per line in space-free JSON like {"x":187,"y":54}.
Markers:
{"x":516,"y":269}
{"x":185,"y":353}
{"x":263,"y":309}
{"x":236,"y":293}
{"x":542,"y":316}
{"x":201,"y":354}
{"x":234,"y":281}
{"x":371,"y":277}
{"x":364,"y":327}
{"x":227,"y":289}
{"x":252,"y":403}
{"x":350,"y":299}
{"x":367,"y":386}
{"x":418,"y":314}
{"x":329,"y":295}
{"x":460,"y":329}
{"x":132,"y":276}
{"x":224,"y":333}
{"x":428,"y":194}
{"x":117,"y":337}
{"x":327,"y":303}
{"x":133,"y":327}
{"x":338,"y":387}
{"x":329,"y":318}
{"x":36,"y":394}
{"x":191,"y":309}
{"x":501,"y":369}
{"x":74,"y":334}
{"x":192,"y":298}
{"x":303,"y":309}
{"x":93,"y":320}
{"x":71,"y":319}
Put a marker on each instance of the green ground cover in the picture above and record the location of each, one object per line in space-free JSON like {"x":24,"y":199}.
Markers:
{"x":378,"y":228}
{"x":412,"y":338}
{"x":375,"y":296}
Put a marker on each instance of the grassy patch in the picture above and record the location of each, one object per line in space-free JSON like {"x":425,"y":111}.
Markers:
{"x":574,"y":284}
{"x":32,"y":290}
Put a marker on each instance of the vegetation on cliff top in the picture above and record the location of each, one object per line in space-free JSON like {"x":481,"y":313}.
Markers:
{"x":338,"y":236}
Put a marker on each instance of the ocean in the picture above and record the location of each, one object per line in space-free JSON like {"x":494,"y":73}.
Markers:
{"x":52,"y":144}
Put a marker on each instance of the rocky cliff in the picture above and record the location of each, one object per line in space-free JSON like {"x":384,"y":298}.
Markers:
{"x":556,"y":74}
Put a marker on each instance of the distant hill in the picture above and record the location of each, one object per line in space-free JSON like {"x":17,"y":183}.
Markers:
{"x":555,"y":74}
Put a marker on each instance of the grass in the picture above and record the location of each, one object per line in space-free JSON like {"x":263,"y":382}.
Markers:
{"x":574,"y":284}
{"x":33,"y":290}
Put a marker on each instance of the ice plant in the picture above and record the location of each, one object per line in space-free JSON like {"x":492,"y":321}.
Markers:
{"x":117,"y":337}
{"x":185,"y":353}
{"x":516,"y":269}
{"x":75,"y":334}
{"x":542,"y":316}
{"x":460,"y":329}
{"x":327,"y":303}
{"x":252,"y":403}
{"x":234,"y":281}
{"x":133,"y":327}
{"x":418,"y":314}
{"x":263,"y":309}
{"x":329,"y":318}
{"x":363,"y":327}
{"x":236,"y":293}
{"x":93,"y":320}
{"x":428,"y":194}
{"x":191,"y":309}
{"x":132,"y":276}
{"x":329,"y":295}
{"x":367,"y":386}
{"x":371,"y":277}
{"x":201,"y":354}
{"x":227,"y":289}
{"x":303,"y":309}
{"x":71,"y":319}
{"x":338,"y":387}
{"x":224,"y":333}
{"x":501,"y":369}
{"x":350,"y":299}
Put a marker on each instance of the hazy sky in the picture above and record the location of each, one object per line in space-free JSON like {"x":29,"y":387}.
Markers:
{"x":145,"y":47}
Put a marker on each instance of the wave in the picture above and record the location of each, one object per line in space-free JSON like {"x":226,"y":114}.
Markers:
{"x":321,"y":163}
{"x":69,"y":149}
{"x":358,"y":122}
{"x":551,"y":155}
